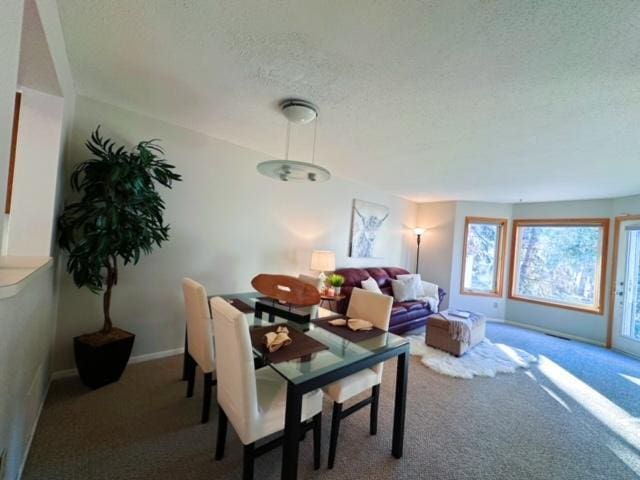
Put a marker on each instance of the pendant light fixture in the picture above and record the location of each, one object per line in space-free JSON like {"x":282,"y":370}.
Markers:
{"x":299,"y":112}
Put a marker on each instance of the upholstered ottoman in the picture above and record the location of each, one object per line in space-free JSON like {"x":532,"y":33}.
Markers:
{"x":454,"y":334}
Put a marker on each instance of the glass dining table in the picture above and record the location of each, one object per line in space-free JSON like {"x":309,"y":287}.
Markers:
{"x":341,"y":359}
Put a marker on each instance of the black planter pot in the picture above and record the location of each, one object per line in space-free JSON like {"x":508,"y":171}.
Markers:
{"x":101,"y":363}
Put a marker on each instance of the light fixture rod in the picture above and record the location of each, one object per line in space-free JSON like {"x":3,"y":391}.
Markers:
{"x":287,"y":140}
{"x":315,"y":137}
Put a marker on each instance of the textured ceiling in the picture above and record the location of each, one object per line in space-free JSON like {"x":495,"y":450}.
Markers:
{"x":36,"y":67}
{"x":474,"y":100}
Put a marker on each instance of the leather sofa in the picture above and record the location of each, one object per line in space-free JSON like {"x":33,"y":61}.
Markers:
{"x":405,"y":316}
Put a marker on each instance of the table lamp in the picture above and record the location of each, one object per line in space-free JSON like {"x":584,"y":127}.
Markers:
{"x":323,"y":261}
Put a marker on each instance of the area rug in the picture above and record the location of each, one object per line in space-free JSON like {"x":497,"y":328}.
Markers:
{"x":485,"y":360}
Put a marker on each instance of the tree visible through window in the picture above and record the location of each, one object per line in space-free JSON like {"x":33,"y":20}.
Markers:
{"x":560,"y":262}
{"x":482,"y":263}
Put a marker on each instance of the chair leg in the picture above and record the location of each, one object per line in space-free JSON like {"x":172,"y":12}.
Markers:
{"x":247,"y":462}
{"x":191,"y":375}
{"x":206,"y":401}
{"x":317,"y":440}
{"x":373,"y":421}
{"x":185,"y":362}
{"x":335,"y":430}
{"x":222,"y":433}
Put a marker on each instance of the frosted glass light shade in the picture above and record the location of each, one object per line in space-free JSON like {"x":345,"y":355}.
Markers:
{"x":323,"y":261}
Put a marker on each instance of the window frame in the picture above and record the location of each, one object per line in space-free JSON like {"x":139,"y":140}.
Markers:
{"x":500,"y":251}
{"x":602,"y":223}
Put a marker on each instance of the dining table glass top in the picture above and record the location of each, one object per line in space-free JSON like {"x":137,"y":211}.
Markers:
{"x":340,"y":351}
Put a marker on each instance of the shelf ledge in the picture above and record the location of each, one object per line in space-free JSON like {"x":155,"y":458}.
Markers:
{"x":16,"y":272}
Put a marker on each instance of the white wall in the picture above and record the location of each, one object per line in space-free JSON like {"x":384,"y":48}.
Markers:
{"x":27,"y":325}
{"x":10,"y":30}
{"x":436,"y":245}
{"x":27,"y":320}
{"x":626,"y":206}
{"x":31,"y":220}
{"x":493,"y":307}
{"x":228,"y":223}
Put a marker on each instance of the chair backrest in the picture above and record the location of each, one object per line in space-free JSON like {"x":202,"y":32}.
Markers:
{"x":315,"y":281}
{"x":373,"y":307}
{"x":199,"y":332}
{"x":370,"y":306}
{"x":235,"y":369}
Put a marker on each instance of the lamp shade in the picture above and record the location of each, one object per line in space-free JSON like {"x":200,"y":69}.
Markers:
{"x":323,"y":261}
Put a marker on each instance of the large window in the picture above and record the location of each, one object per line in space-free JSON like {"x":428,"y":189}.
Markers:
{"x":560,"y":262}
{"x":483,"y":256}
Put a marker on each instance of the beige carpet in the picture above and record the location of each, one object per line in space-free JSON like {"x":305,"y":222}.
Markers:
{"x":508,"y":427}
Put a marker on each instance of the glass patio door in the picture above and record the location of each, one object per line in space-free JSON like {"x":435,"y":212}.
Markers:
{"x":626,"y":319}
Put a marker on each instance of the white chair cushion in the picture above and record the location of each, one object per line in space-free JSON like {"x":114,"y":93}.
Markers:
{"x":370,"y":285}
{"x":272,"y":401}
{"x":359,"y":382}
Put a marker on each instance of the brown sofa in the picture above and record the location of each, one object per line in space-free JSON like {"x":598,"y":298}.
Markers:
{"x":405,"y":316}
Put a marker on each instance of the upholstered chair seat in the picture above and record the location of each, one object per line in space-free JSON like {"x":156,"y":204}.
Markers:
{"x":353,"y":385}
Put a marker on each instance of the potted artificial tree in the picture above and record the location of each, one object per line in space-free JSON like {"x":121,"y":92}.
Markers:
{"x":118,"y":218}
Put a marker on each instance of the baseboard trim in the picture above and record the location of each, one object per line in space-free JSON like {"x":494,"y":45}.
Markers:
{"x":146,"y":357}
{"x":33,"y":430}
{"x":554,"y":332}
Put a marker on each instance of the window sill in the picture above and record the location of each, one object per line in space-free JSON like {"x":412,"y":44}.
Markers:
{"x":16,"y":272}
{"x":593,"y":310}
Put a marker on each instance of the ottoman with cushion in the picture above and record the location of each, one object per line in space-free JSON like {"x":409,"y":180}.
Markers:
{"x":454,"y":334}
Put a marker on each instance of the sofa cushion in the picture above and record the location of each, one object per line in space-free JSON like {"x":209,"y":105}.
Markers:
{"x":397,"y":309}
{"x":393,"y":272}
{"x":379,"y":275}
{"x":412,"y":305}
{"x":353,"y":277}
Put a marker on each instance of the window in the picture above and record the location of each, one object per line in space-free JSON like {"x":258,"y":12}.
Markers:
{"x":483,"y":256}
{"x":560,"y":262}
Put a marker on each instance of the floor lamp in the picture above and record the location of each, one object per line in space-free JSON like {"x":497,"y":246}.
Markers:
{"x":418,"y":231}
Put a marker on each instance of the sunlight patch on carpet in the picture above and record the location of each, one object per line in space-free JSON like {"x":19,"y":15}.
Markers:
{"x":485,"y":360}
{"x":616,"y":418}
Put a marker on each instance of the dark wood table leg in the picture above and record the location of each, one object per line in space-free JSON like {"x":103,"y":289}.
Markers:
{"x":402,"y":376}
{"x":291,"y":441}
{"x":185,"y":361}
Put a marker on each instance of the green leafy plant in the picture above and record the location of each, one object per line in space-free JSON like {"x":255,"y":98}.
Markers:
{"x":336,"y":280}
{"x":119,"y":214}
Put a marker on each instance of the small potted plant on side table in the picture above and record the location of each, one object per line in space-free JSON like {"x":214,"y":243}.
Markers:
{"x":335,"y":281}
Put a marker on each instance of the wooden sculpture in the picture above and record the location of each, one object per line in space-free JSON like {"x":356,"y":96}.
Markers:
{"x":286,"y":289}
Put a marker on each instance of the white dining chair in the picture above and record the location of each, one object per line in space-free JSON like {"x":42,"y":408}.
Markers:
{"x":253,"y":400}
{"x":200,"y":349}
{"x":375,"y":308}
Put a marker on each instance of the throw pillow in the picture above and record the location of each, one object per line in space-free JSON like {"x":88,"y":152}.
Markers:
{"x":370,"y":285}
{"x":417,"y":282}
{"x":403,"y":290}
